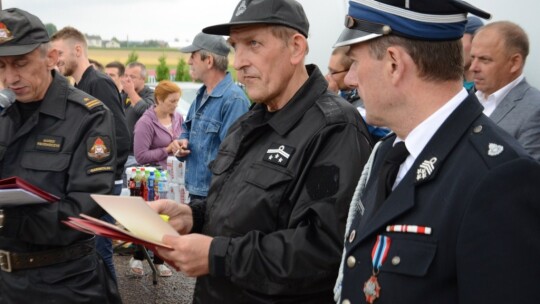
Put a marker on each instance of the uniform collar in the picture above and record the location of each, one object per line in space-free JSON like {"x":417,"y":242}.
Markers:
{"x":305,"y":97}
{"x":54,"y":102}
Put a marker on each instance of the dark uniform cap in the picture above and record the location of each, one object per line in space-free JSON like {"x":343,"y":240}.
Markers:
{"x":20,"y":32}
{"x":211,"y":43}
{"x":289,"y":13}
{"x":431,"y":20}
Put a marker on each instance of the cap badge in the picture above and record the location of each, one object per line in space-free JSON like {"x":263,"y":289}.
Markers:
{"x":241,"y":8}
{"x":495,"y":149}
{"x":5,"y":34}
{"x":425,"y":169}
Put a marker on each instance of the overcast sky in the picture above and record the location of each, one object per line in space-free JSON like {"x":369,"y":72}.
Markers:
{"x":182,"y":19}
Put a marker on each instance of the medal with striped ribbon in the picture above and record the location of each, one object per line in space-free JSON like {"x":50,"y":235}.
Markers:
{"x":372,"y":289}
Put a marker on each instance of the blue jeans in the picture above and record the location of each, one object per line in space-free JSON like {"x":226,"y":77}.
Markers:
{"x":104,"y":245}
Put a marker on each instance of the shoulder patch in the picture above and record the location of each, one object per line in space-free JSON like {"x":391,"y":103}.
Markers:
{"x":493,"y":148}
{"x":98,"y":148}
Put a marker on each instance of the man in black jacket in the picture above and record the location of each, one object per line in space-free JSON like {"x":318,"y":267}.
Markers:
{"x":73,"y":61}
{"x":61,"y":140}
{"x":283,"y":178}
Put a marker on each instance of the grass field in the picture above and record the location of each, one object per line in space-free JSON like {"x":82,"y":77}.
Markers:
{"x":148,"y":57}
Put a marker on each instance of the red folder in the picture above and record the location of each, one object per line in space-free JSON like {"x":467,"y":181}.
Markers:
{"x":19,"y":183}
{"x":95,"y":226}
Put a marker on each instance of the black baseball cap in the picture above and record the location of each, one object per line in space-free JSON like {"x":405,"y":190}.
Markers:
{"x":20,"y":32}
{"x":288,"y":13}
{"x":431,"y":20}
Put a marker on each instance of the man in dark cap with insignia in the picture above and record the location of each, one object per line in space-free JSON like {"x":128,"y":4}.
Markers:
{"x":61,"y":140}
{"x":270,"y":229}
{"x":447,"y":208}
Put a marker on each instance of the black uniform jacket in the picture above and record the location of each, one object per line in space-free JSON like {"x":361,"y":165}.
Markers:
{"x":481,"y":200}
{"x":103,"y":88}
{"x":279,"y":198}
{"x":55,"y":149}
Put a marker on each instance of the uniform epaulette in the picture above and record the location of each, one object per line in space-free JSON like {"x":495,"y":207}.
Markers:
{"x":333,"y":112}
{"x":88,"y":101}
{"x":492,"y":146}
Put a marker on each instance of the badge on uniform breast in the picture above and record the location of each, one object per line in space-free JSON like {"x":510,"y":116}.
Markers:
{"x":98,"y":148}
{"x":279,"y":154}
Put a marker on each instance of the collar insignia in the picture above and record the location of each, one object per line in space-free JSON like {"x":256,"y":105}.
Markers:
{"x":494,"y":149}
{"x":425,"y":169}
{"x":241,"y":8}
{"x":279,"y":154}
{"x":5,"y":34}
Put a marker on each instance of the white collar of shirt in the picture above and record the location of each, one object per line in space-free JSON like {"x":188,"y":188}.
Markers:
{"x":418,"y":138}
{"x":493,"y":100}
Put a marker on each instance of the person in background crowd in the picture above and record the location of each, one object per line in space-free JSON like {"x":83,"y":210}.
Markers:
{"x":73,"y":61}
{"x":218,"y":104}
{"x":137,"y":98}
{"x":498,"y":57}
{"x":275,"y":212}
{"x":115,"y":70}
{"x":155,"y":138}
{"x":338,"y":67}
{"x":61,"y":140}
{"x":449,"y":188}
{"x":473,"y":24}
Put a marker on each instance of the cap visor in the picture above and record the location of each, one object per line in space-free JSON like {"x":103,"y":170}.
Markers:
{"x":190,"y":49}
{"x":225,"y":28}
{"x":15,"y":50}
{"x":351,"y":36}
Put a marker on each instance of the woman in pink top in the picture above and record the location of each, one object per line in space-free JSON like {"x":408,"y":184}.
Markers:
{"x":157,"y":131}
{"x":155,"y":138}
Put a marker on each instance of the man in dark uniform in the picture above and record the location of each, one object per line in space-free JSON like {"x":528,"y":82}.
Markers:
{"x":448,"y":208}
{"x":61,"y":140}
{"x":73,"y":61}
{"x":274,"y":217}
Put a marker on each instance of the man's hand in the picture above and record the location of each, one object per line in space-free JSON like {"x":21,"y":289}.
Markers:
{"x":180,"y":216}
{"x":128,"y":85}
{"x":189,"y":254}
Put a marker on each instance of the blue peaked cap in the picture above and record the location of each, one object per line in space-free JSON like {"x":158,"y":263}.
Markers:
{"x":431,"y":20}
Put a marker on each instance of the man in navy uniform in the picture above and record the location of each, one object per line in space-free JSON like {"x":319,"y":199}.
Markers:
{"x":61,"y":140}
{"x":447,"y":209}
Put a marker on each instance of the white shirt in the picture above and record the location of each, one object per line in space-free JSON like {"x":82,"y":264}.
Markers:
{"x":493,"y":100}
{"x":418,"y":138}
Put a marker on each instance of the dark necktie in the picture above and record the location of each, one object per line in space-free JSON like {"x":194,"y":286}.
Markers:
{"x":389,"y":170}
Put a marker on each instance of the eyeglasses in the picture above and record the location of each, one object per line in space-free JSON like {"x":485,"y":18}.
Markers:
{"x":336,"y":72}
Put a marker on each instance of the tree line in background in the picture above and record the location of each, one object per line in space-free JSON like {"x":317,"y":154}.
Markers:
{"x":162,"y":69}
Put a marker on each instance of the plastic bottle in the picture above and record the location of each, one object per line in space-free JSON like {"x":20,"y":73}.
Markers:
{"x":157,"y":177}
{"x":150,"y":183}
{"x":162,"y":185}
{"x":143,"y":184}
{"x":137,"y":179}
{"x":131,"y":182}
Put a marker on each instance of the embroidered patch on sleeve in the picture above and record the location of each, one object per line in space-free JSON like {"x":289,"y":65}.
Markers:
{"x":98,"y":148}
{"x":279,"y":154}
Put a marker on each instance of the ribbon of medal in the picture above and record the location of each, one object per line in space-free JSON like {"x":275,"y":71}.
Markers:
{"x":372,"y":289}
